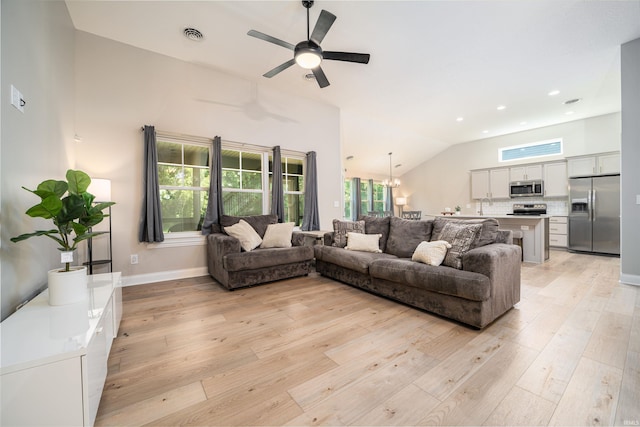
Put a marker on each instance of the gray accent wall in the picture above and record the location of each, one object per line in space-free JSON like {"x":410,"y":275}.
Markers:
{"x":630,"y":176}
{"x":38,"y":58}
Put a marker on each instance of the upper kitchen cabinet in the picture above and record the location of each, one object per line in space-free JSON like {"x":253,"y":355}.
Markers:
{"x":525,"y":172}
{"x":555,"y":180}
{"x":601,"y":164}
{"x":493,"y":184}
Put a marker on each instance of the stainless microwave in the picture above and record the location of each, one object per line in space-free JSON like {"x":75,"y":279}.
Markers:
{"x":526,"y":188}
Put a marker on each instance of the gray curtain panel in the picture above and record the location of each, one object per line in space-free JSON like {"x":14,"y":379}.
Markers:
{"x":214,"y":206}
{"x":277,"y":192}
{"x":356,"y":199}
{"x":151,"y":217}
{"x":370,"y":196}
{"x":388,"y":203}
{"x":311,"y":219}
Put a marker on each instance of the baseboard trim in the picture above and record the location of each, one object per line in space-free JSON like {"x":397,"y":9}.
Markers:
{"x":630,"y":279}
{"x":163,"y":276}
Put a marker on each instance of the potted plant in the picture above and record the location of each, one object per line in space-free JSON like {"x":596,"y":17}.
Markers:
{"x":458,"y":209}
{"x":71,"y":208}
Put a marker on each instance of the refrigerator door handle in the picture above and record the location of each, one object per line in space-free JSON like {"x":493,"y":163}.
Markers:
{"x":593,"y":204}
{"x":589,"y":205}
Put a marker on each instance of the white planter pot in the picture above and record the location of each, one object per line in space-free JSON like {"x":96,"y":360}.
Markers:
{"x":67,"y":287}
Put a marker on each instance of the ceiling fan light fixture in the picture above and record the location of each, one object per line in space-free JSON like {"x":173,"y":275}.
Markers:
{"x":308,"y":55}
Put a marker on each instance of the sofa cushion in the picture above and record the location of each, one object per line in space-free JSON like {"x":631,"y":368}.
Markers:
{"x":248,"y":237}
{"x":461,"y":237}
{"x":258,"y":222}
{"x":487,"y":235}
{"x":405,"y":235}
{"x":278,"y":235}
{"x":377,"y":225}
{"x":431,"y":253}
{"x":353,"y":260}
{"x":261,"y":258}
{"x":341,"y":228}
{"x":441,"y":279}
{"x":363,"y":242}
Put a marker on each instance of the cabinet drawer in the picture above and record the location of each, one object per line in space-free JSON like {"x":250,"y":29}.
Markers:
{"x":558,"y":220}
{"x":558,"y":240}
{"x":558,"y":228}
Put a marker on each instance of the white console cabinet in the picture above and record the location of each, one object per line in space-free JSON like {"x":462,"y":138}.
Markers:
{"x":54,"y":358}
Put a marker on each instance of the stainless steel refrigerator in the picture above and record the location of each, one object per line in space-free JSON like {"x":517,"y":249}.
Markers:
{"x":594,"y":214}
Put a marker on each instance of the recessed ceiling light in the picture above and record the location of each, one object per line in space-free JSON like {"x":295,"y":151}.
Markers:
{"x":553,"y":93}
{"x":501,"y":107}
{"x":572,"y":101}
{"x":568,"y":113}
{"x":459,"y":119}
{"x":485,"y":131}
{"x":193,"y":34}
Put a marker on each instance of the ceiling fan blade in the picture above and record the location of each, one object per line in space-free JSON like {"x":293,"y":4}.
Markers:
{"x":361,"y":58}
{"x":320,"y":77}
{"x":324,"y":23}
{"x":279,"y":68}
{"x":268,"y":38}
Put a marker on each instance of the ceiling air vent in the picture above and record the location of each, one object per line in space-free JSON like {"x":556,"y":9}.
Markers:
{"x":193,"y":34}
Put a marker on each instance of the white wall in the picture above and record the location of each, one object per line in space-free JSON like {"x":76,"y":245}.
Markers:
{"x":630,"y":185}
{"x":444,"y":180}
{"x":119,"y":88}
{"x":38,"y":59}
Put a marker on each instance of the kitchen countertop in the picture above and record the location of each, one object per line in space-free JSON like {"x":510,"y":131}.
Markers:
{"x":494,"y":216}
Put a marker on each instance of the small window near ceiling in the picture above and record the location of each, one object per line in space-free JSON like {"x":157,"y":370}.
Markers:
{"x":550,"y":147}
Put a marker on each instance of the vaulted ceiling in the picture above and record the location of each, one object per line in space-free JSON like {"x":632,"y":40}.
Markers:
{"x":438,"y":72}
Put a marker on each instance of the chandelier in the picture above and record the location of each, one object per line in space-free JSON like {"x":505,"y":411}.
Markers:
{"x":391,"y":182}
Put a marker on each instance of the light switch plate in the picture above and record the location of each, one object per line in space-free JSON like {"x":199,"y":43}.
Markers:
{"x":16,"y":99}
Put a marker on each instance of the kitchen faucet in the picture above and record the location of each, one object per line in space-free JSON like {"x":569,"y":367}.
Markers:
{"x":481,"y":201}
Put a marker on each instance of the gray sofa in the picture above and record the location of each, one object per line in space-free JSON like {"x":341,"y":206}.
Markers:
{"x":235,"y":268}
{"x":487,"y":285}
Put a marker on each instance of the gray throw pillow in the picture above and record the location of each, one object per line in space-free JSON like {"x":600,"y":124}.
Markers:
{"x":487,"y":235}
{"x":405,"y":235}
{"x":376,"y":225}
{"x":341,"y":228}
{"x":461,"y":237}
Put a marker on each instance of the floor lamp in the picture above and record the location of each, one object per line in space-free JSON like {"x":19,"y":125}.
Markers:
{"x":401,"y":201}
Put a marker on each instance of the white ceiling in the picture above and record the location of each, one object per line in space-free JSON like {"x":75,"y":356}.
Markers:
{"x":431,"y":62}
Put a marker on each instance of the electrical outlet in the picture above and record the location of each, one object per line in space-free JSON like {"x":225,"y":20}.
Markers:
{"x":134,"y":258}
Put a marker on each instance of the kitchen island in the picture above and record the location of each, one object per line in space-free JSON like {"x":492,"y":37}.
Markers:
{"x":534,"y":228}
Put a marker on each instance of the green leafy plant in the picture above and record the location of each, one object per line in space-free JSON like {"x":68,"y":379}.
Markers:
{"x":458,"y":208}
{"x":73,"y":214}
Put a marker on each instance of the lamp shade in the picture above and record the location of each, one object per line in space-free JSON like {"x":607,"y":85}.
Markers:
{"x":101,"y":189}
{"x":401,"y":201}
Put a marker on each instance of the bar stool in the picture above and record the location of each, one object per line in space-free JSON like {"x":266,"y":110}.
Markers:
{"x":517,"y":240}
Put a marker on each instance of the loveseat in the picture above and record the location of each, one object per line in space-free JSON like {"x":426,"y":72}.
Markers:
{"x":480,"y":283}
{"x":234,"y":263}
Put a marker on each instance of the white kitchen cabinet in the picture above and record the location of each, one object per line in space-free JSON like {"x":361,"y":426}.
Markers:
{"x":54,"y":358}
{"x":555,"y":180}
{"x":525,"y":172}
{"x":491,"y":183}
{"x":558,"y":231}
{"x":601,"y":164}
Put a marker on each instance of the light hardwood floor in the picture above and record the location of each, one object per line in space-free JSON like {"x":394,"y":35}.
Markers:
{"x":312,"y":351}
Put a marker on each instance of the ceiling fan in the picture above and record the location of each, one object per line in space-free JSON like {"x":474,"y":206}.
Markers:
{"x":308,"y":53}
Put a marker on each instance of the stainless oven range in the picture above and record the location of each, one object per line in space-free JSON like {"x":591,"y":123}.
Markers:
{"x":530,"y":209}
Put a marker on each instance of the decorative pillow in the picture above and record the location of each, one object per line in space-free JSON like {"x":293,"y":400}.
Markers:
{"x":487,"y":235}
{"x":258,"y":222}
{"x":363,"y":242}
{"x":249,"y":238}
{"x":405,"y":235}
{"x":278,"y":235}
{"x":341,"y":228}
{"x":431,"y":253}
{"x":461,"y":237}
{"x":375,"y":225}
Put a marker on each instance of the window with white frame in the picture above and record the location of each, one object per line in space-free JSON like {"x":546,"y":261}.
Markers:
{"x":550,"y":147}
{"x":293,"y":185}
{"x":243,"y":190}
{"x":183,"y":175}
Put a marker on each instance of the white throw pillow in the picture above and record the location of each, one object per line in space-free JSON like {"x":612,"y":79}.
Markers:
{"x":363,"y":242}
{"x":431,"y":253}
{"x":243,"y":231}
{"x":278,"y":235}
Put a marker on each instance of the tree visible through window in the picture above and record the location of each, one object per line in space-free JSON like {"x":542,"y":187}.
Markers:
{"x":242,"y":185}
{"x":293,"y":185}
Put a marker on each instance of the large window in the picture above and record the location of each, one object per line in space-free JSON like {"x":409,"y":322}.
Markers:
{"x":378,"y":194}
{"x":183,"y":173}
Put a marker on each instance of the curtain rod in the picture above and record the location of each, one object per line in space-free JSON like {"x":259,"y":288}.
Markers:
{"x":209,"y":140}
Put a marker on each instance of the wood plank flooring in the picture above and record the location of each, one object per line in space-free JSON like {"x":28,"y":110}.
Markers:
{"x":312,"y":351}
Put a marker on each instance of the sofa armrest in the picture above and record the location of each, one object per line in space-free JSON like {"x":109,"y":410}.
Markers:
{"x":297,"y":238}
{"x":500,"y":262}
{"x":328,"y":238}
{"x":219,"y":245}
{"x":505,"y":236}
